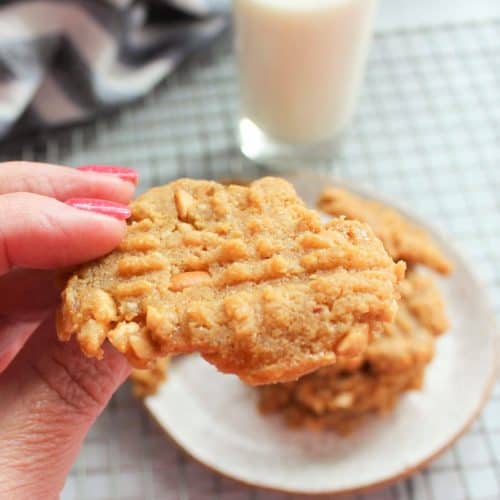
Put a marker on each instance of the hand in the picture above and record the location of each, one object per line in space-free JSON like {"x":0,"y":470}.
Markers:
{"x":50,"y":394}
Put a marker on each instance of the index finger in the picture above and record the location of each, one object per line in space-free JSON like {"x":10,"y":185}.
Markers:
{"x":63,"y":183}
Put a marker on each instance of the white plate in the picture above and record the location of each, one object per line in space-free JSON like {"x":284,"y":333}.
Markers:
{"x":213,"y":416}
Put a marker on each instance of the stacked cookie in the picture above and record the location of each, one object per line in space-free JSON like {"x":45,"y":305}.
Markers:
{"x":147,"y":381}
{"x":341,"y":396}
{"x":255,"y":282}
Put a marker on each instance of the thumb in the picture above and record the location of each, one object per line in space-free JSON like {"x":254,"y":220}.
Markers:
{"x":42,"y":233}
{"x":51,"y":395}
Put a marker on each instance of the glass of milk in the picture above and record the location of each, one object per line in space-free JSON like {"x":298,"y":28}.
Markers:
{"x":301,"y":65}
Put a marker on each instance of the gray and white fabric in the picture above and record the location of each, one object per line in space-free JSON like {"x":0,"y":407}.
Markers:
{"x":64,"y":61}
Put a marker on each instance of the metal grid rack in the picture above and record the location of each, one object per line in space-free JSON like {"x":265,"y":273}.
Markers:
{"x":427,"y":132}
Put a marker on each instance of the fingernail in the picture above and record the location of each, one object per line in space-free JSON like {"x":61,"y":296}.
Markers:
{"x":124,"y":173}
{"x":104,"y":207}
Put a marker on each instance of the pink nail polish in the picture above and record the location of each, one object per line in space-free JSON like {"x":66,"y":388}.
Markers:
{"x":124,"y":173}
{"x":104,"y":207}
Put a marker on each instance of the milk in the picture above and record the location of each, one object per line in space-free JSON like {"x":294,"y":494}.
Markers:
{"x":301,"y":64}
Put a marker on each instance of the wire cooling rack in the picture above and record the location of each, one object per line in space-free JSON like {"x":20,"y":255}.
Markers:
{"x":427,"y":132}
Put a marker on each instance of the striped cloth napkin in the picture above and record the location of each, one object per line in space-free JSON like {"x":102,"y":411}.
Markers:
{"x":64,"y":61}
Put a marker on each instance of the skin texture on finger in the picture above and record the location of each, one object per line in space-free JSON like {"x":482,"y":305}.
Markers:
{"x":62,"y":182}
{"x":51,"y":395}
{"x":43,"y":233}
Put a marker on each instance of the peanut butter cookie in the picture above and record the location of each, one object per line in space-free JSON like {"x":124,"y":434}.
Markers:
{"x":401,"y":238}
{"x":148,"y":380}
{"x":338,"y":402}
{"x":247,"y":276}
{"x":339,"y":397}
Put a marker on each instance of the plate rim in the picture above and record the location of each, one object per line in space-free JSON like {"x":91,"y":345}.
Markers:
{"x":408,"y":471}
{"x":367,"y":488}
